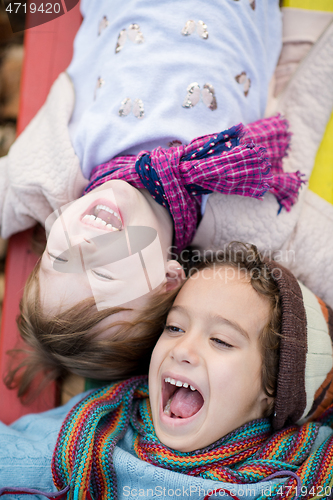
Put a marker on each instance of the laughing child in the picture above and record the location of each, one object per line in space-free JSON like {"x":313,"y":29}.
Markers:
{"x":154,"y":87}
{"x":153,"y":95}
{"x":242,"y":362}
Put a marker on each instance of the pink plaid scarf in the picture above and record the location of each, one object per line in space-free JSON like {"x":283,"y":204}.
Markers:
{"x":246,"y":161}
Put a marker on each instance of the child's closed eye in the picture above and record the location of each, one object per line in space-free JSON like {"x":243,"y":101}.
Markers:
{"x":54,"y":257}
{"x":173,"y":329}
{"x":221,"y":343}
{"x":102,"y":276}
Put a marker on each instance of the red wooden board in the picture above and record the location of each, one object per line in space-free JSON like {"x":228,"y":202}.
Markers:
{"x":48,"y":51}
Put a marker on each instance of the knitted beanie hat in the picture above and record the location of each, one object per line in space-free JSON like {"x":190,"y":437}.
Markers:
{"x":306,"y":353}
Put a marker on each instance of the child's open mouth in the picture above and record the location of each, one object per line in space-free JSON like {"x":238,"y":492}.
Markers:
{"x":179,"y":399}
{"x":102,"y":217}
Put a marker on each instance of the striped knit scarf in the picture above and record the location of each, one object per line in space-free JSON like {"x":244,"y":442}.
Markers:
{"x":82,"y":460}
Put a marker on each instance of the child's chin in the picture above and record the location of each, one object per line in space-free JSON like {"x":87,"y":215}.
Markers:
{"x":175,"y":426}
{"x":182,"y":441}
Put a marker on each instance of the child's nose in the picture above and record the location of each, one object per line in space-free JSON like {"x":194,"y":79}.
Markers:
{"x":186,"y":350}
{"x":86,"y":249}
{"x":78,"y":239}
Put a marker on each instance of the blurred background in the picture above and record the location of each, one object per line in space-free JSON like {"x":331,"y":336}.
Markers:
{"x":11,"y":58}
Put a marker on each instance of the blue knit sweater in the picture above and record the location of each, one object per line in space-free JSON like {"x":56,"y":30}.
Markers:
{"x":26,"y":449}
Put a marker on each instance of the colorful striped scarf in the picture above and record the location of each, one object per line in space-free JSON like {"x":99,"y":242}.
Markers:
{"x":245,"y":161}
{"x":82,"y":460}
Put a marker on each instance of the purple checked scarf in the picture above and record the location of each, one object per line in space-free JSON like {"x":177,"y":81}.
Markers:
{"x":243,"y":160}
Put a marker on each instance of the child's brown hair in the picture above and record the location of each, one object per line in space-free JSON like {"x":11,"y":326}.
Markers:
{"x":72,"y":341}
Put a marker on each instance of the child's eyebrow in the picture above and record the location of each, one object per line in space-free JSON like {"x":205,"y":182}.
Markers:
{"x":216,"y":318}
{"x":220,"y":319}
{"x":178,"y":309}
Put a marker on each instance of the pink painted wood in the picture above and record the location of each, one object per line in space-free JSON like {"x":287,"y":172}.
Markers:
{"x":48,"y":51}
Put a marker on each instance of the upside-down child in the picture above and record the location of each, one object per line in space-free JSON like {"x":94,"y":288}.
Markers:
{"x":159,"y":119}
{"x":241,"y":364}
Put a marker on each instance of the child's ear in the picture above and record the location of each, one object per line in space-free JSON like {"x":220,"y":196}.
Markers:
{"x":174,"y":274}
{"x":267,"y":405}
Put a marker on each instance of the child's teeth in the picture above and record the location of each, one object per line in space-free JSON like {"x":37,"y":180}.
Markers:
{"x":178,"y":383}
{"x":99,"y":221}
{"x":167,"y":410}
{"x":107,"y":209}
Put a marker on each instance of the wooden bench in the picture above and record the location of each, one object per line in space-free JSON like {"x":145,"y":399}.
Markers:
{"x":47,"y":52}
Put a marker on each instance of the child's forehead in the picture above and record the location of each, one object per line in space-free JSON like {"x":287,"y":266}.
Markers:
{"x":220,"y":275}
{"x":215,"y":281}
{"x":212,"y":292}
